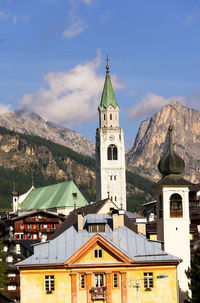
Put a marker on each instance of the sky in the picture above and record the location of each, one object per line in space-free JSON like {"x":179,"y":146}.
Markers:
{"x":52,"y":58}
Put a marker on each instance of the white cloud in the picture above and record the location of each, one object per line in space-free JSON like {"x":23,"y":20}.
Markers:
{"x":72,"y":97}
{"x":77,"y":25}
{"x":14,"y":18}
{"x":4,"y":15}
{"x":4,"y":108}
{"x":150,"y":104}
{"x":74,"y":29}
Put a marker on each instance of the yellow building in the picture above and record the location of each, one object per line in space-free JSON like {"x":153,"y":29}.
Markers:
{"x":99,"y":258}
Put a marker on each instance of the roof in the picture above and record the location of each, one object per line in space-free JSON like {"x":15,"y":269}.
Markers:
{"x":54,"y":196}
{"x":135,"y":246}
{"x":131,"y":215}
{"x":92,"y":208}
{"x":4,"y":298}
{"x":22,"y":215}
{"x":108,"y":95}
{"x":173,"y":180}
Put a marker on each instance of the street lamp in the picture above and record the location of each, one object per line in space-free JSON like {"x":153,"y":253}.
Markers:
{"x":137,"y":284}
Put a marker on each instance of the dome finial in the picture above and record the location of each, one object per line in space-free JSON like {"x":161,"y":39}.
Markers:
{"x":107,"y":66}
{"x":171,"y":162}
{"x":170,"y":135}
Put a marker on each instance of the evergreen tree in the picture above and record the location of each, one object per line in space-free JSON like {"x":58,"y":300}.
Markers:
{"x":3,"y":267}
{"x":193,"y":273}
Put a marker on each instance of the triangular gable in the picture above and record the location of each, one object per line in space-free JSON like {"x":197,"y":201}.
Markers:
{"x":98,"y":241}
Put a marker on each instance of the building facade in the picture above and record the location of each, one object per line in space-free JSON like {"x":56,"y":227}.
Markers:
{"x":110,"y":151}
{"x":99,"y":259}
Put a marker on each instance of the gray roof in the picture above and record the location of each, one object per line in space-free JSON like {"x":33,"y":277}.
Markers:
{"x":133,"y":245}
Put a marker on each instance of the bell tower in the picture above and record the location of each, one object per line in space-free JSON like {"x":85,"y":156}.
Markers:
{"x":110,"y":151}
{"x":173,"y":219}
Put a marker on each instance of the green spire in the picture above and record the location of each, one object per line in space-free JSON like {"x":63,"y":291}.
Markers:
{"x":108,"y":95}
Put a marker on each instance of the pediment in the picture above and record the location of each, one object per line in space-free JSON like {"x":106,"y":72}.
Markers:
{"x":86,"y":254}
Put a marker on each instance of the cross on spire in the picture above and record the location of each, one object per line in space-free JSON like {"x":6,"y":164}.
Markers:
{"x":107,"y":66}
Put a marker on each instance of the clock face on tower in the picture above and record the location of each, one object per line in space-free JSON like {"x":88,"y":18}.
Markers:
{"x":112,"y":137}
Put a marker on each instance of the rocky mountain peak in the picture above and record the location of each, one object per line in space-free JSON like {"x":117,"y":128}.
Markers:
{"x":28,"y":122}
{"x":152,"y":140}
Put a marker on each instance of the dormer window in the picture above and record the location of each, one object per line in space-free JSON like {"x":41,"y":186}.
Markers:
{"x":97,"y":227}
{"x":74,"y":195}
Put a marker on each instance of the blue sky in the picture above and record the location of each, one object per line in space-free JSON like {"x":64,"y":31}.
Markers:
{"x":52,"y":58}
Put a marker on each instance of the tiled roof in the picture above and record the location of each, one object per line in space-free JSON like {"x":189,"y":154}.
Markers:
{"x":53,"y":196}
{"x":131,"y":244}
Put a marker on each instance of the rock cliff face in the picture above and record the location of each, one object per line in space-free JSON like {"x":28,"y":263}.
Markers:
{"x":32,"y":124}
{"x":152,"y":141}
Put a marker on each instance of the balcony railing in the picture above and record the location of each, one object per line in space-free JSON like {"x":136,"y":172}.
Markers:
{"x":42,"y":220}
{"x":98,"y":293}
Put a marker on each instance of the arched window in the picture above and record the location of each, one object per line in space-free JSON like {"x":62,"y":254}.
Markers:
{"x":176,"y":206}
{"x":112,"y":152}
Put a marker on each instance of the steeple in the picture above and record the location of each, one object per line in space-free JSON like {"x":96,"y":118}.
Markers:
{"x":110,"y":151}
{"x":171,"y":163}
{"x":108,"y":95}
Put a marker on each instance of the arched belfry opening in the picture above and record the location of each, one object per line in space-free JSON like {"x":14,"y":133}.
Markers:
{"x":112,"y":153}
{"x":176,"y":206}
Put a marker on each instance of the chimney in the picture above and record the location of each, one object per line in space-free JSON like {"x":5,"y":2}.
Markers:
{"x":80,"y":221}
{"x":115,"y":218}
{"x":121,"y":218}
{"x":141,"y":225}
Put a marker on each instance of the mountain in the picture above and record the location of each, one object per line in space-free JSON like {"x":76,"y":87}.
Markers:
{"x":152,"y":141}
{"x":23,"y":156}
{"x":30,"y":123}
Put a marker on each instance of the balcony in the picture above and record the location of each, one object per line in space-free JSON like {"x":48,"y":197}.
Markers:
{"x":98,"y":293}
{"x":42,"y":220}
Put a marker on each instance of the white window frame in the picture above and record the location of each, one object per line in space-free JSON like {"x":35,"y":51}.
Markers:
{"x":98,"y":280}
{"x":82,"y":281}
{"x":115,"y":280}
{"x":98,"y":253}
{"x":148,"y":280}
{"x":49,"y":282}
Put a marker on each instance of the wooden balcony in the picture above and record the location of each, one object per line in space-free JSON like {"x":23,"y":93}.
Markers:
{"x":42,"y":220}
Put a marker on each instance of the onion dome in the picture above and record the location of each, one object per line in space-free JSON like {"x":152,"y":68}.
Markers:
{"x":171,"y":163}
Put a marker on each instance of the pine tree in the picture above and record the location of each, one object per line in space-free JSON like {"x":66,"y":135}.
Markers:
{"x":193,"y":273}
{"x":3,"y":267}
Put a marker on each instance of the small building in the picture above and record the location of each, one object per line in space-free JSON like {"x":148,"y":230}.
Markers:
{"x":99,"y":258}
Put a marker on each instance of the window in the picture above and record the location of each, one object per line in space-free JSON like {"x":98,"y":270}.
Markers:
{"x":49,"y":283}
{"x":110,"y":178}
{"x":98,"y":253}
{"x":176,"y":206}
{"x":148,"y":279}
{"x":115,"y":178}
{"x":110,"y":116}
{"x":104,"y":116}
{"x":115,"y":198}
{"x":98,"y":280}
{"x":82,"y":281}
{"x":115,"y":280}
{"x":112,"y":152}
{"x":95,"y":228}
